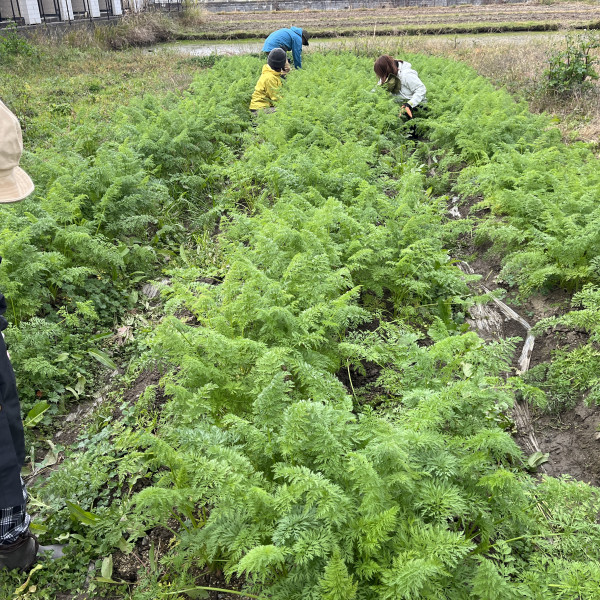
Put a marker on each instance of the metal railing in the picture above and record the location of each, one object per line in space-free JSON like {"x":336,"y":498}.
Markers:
{"x":53,"y":14}
{"x":12,"y":14}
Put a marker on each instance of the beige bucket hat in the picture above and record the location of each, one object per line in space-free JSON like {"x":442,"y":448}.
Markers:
{"x":15,"y":184}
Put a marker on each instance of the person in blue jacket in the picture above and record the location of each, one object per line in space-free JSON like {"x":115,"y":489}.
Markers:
{"x":289,"y":39}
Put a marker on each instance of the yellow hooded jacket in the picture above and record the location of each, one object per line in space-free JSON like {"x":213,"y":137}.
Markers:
{"x":265,"y":92}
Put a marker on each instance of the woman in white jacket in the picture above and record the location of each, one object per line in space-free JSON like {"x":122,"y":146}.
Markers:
{"x":399,"y":78}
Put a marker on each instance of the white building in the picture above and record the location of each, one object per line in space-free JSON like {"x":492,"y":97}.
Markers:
{"x":32,"y":12}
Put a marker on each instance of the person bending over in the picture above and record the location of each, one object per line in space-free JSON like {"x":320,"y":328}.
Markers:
{"x":288,"y":39}
{"x":267,"y":87}
{"x":400,"y":79}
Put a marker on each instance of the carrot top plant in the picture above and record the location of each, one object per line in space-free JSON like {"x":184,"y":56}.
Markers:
{"x":261,"y":463}
{"x":540,"y":191}
{"x":264,"y":462}
{"x":109,"y":208}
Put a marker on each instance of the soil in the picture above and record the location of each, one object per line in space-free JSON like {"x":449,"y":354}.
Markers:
{"x":363,"y":383}
{"x":133,"y":393}
{"x":558,"y":337}
{"x":129,"y":567}
{"x":395,"y":21}
{"x":76,"y":419}
{"x":126,"y":567}
{"x":534,"y":309}
{"x":572,"y":439}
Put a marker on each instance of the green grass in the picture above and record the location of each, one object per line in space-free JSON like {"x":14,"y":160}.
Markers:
{"x":49,"y":90}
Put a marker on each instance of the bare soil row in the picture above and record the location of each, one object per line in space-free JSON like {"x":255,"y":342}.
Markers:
{"x":392,"y":21}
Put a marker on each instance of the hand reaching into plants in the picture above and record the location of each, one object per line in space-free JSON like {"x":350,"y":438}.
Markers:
{"x":406,"y":110}
{"x":286,"y":69}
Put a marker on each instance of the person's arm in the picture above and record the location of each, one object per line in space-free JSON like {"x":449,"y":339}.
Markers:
{"x":297,"y":51}
{"x":272,"y":87}
{"x":417,"y":88}
{"x":3,"y":307}
{"x":269,"y":43}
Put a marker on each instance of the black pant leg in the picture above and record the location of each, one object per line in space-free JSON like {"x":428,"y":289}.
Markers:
{"x":12,"y":437}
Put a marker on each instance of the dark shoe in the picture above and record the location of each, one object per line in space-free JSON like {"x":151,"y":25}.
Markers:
{"x":20,"y":555}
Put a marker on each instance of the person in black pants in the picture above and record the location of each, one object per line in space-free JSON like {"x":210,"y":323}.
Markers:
{"x":18,"y":547}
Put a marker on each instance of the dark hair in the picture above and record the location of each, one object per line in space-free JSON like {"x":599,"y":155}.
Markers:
{"x":385,"y":66}
{"x":304,"y":38}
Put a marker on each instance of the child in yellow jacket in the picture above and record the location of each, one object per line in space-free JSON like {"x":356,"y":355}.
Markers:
{"x":265,"y":93}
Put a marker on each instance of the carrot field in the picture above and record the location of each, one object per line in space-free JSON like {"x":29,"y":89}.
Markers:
{"x":251,"y":353}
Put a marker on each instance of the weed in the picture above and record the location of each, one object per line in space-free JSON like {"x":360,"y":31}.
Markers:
{"x":204,"y":61}
{"x":12,"y":44}
{"x":572,"y":68}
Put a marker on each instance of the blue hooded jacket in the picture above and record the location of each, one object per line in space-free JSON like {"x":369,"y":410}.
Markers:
{"x":288,"y":39}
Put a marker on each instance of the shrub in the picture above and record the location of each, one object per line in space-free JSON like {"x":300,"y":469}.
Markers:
{"x":572,"y":68}
{"x":193,"y":14}
{"x":142,"y":29}
{"x":12,"y":44}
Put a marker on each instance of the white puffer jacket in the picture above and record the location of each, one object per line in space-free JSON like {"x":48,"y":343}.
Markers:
{"x":406,"y":86}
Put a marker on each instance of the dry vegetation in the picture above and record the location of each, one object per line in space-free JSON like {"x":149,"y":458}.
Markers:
{"x":132,"y":31}
{"x":399,"y":21}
